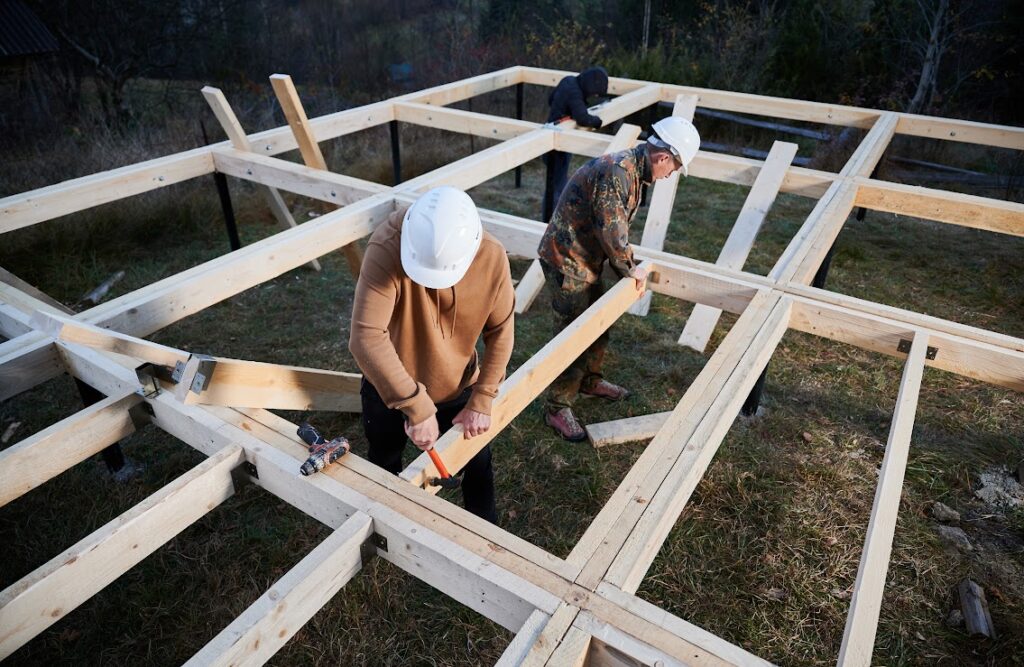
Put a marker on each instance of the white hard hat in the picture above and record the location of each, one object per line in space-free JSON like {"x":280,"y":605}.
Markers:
{"x":679,"y":136}
{"x":441,"y":233}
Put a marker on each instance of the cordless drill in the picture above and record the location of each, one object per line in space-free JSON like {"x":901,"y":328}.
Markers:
{"x":321,"y":452}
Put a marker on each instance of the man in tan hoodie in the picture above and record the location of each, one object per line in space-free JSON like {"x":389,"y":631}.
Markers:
{"x":431,"y":283}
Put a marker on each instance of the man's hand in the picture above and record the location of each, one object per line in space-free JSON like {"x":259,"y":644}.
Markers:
{"x":473,"y":423}
{"x":639,"y":274}
{"x":424,"y":434}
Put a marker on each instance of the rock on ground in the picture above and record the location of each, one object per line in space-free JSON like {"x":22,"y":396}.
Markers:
{"x":944,"y":513}
{"x":955,"y":537}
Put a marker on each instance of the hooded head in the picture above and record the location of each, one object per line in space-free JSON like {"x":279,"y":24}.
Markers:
{"x":593,"y":81}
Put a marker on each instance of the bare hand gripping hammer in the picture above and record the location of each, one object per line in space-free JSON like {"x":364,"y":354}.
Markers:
{"x":321,"y":452}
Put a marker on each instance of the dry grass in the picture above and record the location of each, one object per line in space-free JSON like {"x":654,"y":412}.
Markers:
{"x":765,"y":553}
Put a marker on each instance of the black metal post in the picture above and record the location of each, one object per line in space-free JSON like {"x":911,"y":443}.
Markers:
{"x":113,"y":456}
{"x":221,"y":181}
{"x":822,"y":273}
{"x":519,"y":115}
{"x":548,"y":203}
{"x":750,"y":405}
{"x":396,"y":152}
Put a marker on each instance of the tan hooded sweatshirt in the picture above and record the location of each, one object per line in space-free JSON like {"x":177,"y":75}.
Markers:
{"x":417,"y":345}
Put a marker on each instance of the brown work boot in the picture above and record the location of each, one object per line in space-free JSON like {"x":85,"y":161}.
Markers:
{"x":565,"y":424}
{"x":607,"y":390}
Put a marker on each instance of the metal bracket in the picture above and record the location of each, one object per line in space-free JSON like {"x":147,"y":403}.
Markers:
{"x":244,"y":474}
{"x":148,"y":375}
{"x":141,"y":415}
{"x":179,"y":370}
{"x":904,"y":347}
{"x":203,"y":373}
{"x":368,"y":549}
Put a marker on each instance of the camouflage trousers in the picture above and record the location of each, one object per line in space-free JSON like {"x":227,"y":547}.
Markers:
{"x":569,"y":298}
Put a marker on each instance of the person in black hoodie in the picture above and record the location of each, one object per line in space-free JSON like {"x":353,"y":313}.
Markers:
{"x":569,"y":98}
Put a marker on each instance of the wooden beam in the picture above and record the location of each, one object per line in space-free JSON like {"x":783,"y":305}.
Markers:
{"x":449,"y":93}
{"x":532,"y":283}
{"x":13,"y":322}
{"x":516,"y":652}
{"x":702,"y":320}
{"x":540,"y":76}
{"x":49,"y":593}
{"x":252,"y":384}
{"x":572,"y":651}
{"x":25,"y":362}
{"x":955,"y":208}
{"x":949,"y":129}
{"x":529,"y":380}
{"x":288,"y":98}
{"x":480,"y":167}
{"x":663,"y":197}
{"x":267,"y":624}
{"x":41,"y":457}
{"x":74,"y":331}
{"x":630,"y":429}
{"x":667,"y":503}
{"x":865,"y":606}
{"x":236,"y":135}
{"x":29,"y":290}
{"x":463,"y":122}
{"x":870,"y":150}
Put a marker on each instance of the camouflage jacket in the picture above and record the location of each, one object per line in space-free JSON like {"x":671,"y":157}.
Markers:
{"x":591,"y":221}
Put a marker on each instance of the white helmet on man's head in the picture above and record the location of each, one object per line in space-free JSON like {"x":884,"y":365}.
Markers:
{"x":441,"y":233}
{"x":679,"y":136}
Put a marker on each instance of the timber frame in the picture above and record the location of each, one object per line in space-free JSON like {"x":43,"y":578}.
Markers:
{"x":563,"y":611}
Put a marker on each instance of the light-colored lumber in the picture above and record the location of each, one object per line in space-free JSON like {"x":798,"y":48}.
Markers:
{"x":601,"y":541}
{"x":515,"y":653}
{"x":995,"y":215}
{"x":611,"y":647}
{"x":41,"y":457}
{"x":667,"y":503}
{"x":949,"y":129}
{"x":630,"y":429}
{"x":699,"y":637}
{"x":449,"y":93}
{"x":13,"y":322}
{"x":866,"y":603}
{"x":41,"y":598}
{"x":326,"y":186}
{"x":236,"y":135}
{"x":545,"y":643}
{"x":73,"y":331}
{"x":702,"y":320}
{"x":529,"y":287}
{"x":262,"y":629}
{"x":528,"y":381}
{"x":252,"y":384}
{"x":461,"y":121}
{"x":532,"y":283}
{"x":294,"y":112}
{"x":572,"y":651}
{"x":31,"y":291}
{"x":663,"y":197}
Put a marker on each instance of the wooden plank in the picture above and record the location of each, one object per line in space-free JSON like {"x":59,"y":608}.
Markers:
{"x":611,"y":647}
{"x":540,"y":76}
{"x":869,"y":153}
{"x":253,"y":384}
{"x":955,"y":208}
{"x":326,"y":186}
{"x":25,"y":362}
{"x":702,"y":320}
{"x":515,"y":653}
{"x":13,"y":322}
{"x":701,"y":639}
{"x":463,"y":122}
{"x":236,"y":135}
{"x":29,"y":290}
{"x":572,"y":651}
{"x":662,"y":511}
{"x":54,"y":201}
{"x":49,"y":593}
{"x":663,"y":197}
{"x":866,"y":603}
{"x":602,"y":540}
{"x":529,"y":287}
{"x":532,"y":283}
{"x":41,"y":457}
{"x":457,"y":91}
{"x":528,"y":381}
{"x":74,"y":331}
{"x":550,"y":636}
{"x":949,"y":129}
{"x":480,"y":167}
{"x":630,"y":429}
{"x":266,"y":625}
{"x":288,"y":98}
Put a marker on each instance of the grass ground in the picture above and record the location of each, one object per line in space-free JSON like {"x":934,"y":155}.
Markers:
{"x":765,"y":553}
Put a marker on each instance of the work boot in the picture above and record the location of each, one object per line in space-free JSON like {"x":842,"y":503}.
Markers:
{"x":565,"y":424}
{"x":607,"y":390}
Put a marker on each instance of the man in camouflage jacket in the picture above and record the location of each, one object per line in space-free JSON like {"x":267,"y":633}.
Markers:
{"x":591,"y":225}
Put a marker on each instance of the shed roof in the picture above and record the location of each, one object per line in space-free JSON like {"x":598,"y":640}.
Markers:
{"x":22,"y":33}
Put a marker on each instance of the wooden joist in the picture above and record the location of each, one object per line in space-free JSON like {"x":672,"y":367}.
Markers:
{"x":262,"y":629}
{"x":41,"y":457}
{"x":702,"y":320}
{"x":529,"y":380}
{"x":41,"y":598}
{"x":630,"y":429}
{"x":866,"y":603}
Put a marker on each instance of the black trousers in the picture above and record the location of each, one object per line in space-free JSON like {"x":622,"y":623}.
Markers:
{"x":385,"y":431}
{"x":557,"y":176}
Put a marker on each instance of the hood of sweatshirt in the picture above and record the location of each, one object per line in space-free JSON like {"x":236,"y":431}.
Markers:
{"x":593,"y":81}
